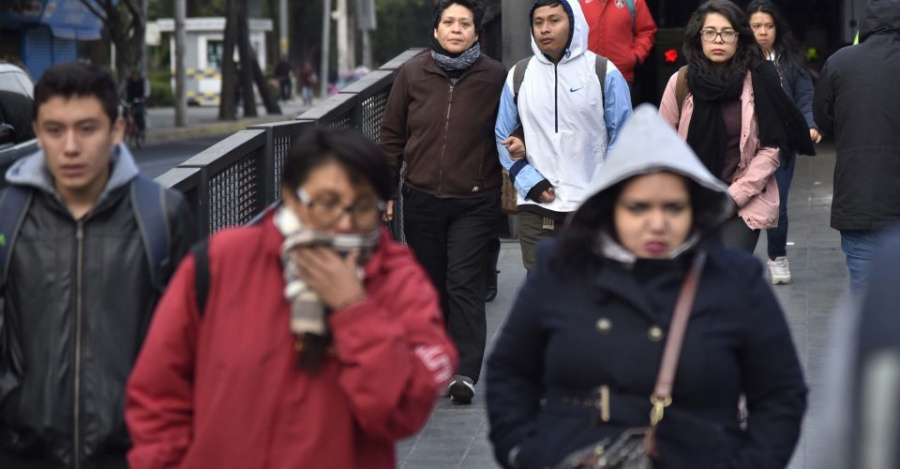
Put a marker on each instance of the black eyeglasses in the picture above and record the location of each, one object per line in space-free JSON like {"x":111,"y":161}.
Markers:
{"x":728,"y":36}
{"x":326,"y":213}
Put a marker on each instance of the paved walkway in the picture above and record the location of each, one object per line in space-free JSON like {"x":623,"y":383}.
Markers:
{"x":456,"y":436}
{"x":203,"y":121}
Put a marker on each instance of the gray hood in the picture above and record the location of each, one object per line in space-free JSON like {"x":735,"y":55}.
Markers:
{"x":648,"y":144}
{"x":32,"y":171}
{"x":880,"y":15}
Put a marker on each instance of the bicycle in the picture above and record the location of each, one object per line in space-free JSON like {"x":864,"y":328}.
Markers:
{"x":134,"y":135}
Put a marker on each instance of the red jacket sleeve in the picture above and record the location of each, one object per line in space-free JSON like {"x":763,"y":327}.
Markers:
{"x":159,"y":402}
{"x":644,"y":30}
{"x":394,"y":355}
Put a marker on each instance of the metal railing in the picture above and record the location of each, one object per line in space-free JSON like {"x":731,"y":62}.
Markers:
{"x":233,"y":181}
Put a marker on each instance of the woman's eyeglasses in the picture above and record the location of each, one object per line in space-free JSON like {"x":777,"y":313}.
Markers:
{"x":728,"y":36}
{"x":364,"y":214}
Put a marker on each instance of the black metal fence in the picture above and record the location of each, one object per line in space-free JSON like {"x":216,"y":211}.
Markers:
{"x":233,"y":181}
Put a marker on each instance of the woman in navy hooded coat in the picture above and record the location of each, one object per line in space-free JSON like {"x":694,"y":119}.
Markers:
{"x":578,"y":357}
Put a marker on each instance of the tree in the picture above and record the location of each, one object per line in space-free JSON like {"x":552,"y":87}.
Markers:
{"x":237,"y":34}
{"x":126,"y":26}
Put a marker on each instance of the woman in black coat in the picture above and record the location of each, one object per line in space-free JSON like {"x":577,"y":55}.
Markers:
{"x":773,"y":34}
{"x":578,"y":357}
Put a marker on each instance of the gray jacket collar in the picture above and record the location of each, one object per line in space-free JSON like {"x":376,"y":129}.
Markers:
{"x":32,"y":171}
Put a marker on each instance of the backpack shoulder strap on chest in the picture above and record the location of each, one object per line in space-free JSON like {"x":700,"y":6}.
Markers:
{"x":630,"y":4}
{"x":148,"y":200}
{"x":681,"y":88}
{"x":14,"y":202}
{"x":518,"y":76}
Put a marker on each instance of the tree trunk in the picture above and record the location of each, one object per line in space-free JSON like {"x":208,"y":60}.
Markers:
{"x":180,"y":72}
{"x":271,"y":102}
{"x":229,"y":76}
{"x":247,"y":58}
{"x":127,"y":31}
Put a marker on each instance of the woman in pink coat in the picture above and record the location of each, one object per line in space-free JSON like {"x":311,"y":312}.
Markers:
{"x":734,"y":115}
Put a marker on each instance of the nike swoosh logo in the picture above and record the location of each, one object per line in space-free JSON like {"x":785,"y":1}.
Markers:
{"x":572,"y":90}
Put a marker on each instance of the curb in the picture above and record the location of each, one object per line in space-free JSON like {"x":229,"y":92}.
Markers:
{"x":175,"y":134}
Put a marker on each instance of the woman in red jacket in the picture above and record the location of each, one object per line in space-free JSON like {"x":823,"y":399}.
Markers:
{"x":321,"y":340}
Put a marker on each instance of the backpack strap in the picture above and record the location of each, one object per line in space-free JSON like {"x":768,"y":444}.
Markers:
{"x":148,"y":199}
{"x":200,"y":251}
{"x":681,"y":88}
{"x":14,"y":203}
{"x":630,"y":4}
{"x":518,"y":76}
{"x":600,"y":69}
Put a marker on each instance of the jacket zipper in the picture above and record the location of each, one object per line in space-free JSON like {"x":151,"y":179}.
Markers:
{"x":79,"y":236}
{"x":444,"y":144}
{"x":556,"y":96}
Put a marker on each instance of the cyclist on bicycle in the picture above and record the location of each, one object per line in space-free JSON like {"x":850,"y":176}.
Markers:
{"x":136,"y":91}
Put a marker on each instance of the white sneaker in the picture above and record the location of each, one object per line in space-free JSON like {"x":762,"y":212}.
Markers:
{"x":780,"y":271}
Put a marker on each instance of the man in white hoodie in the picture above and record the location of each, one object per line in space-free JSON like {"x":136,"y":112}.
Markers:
{"x":569,"y":120}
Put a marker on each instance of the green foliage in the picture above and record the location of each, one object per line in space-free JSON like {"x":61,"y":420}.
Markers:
{"x":161,"y":93}
{"x":401,"y":24}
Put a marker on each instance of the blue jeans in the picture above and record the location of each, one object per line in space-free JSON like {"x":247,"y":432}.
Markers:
{"x":859,"y":247}
{"x":777,"y":236}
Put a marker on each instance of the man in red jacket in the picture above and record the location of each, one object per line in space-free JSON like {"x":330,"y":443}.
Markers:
{"x":622,"y":31}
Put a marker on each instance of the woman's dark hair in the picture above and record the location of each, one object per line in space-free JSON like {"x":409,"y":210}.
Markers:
{"x":787,"y":49}
{"x":747,"y":56}
{"x":358,"y":155}
{"x":576,"y":251}
{"x":473,"y":5}
{"x":78,"y":79}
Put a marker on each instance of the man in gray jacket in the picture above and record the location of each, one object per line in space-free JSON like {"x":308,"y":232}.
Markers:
{"x":88,"y":246}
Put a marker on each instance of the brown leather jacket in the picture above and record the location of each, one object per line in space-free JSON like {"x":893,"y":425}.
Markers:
{"x":445,"y":132}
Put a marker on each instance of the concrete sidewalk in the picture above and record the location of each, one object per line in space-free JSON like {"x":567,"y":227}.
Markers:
{"x":203,"y":121}
{"x":456,"y":436}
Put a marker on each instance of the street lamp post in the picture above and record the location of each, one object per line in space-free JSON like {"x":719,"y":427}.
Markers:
{"x":326,"y":48}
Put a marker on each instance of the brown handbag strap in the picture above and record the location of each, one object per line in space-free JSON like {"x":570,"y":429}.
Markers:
{"x":672,"y":351}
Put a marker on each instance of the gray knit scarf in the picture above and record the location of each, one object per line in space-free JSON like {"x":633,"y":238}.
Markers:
{"x":308,"y":314}
{"x":450,"y":62}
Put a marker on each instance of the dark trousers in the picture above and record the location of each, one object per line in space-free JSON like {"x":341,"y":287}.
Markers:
{"x":737,"y":235}
{"x":777,"y":236}
{"x":450,"y":239}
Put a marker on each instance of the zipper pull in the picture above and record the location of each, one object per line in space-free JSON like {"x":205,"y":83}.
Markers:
{"x":79,"y":231}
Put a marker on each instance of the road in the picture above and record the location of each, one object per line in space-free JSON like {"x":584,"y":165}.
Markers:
{"x":157,"y":159}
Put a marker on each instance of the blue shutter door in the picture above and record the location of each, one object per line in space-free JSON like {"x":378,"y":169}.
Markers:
{"x":64,"y":50}
{"x":37,"y":50}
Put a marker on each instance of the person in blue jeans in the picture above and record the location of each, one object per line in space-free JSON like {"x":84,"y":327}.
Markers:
{"x":772,"y":32}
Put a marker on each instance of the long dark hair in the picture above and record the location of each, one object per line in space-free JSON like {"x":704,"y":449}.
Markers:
{"x":747,"y":56}
{"x":576,"y":252}
{"x":787,"y":49}
{"x":364,"y":163}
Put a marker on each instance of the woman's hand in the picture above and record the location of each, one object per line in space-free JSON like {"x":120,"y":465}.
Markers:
{"x":389,"y":211}
{"x":332,"y":278}
{"x":515,"y":146}
{"x":814,"y":135}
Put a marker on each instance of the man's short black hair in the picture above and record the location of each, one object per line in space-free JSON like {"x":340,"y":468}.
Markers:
{"x":78,"y":79}
{"x":473,"y":5}
{"x":543,"y":3}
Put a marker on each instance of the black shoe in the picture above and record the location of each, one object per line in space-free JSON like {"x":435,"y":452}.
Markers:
{"x":461,"y":389}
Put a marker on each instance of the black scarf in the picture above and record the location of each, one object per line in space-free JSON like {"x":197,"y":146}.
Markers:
{"x":779,"y":121}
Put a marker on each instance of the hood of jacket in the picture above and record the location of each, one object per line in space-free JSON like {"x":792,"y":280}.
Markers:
{"x":648,"y":144}
{"x":880,"y":16}
{"x":578,"y":33}
{"x":32,"y":171}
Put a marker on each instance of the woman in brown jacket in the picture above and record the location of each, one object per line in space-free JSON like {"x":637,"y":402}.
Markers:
{"x":439,"y":121}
